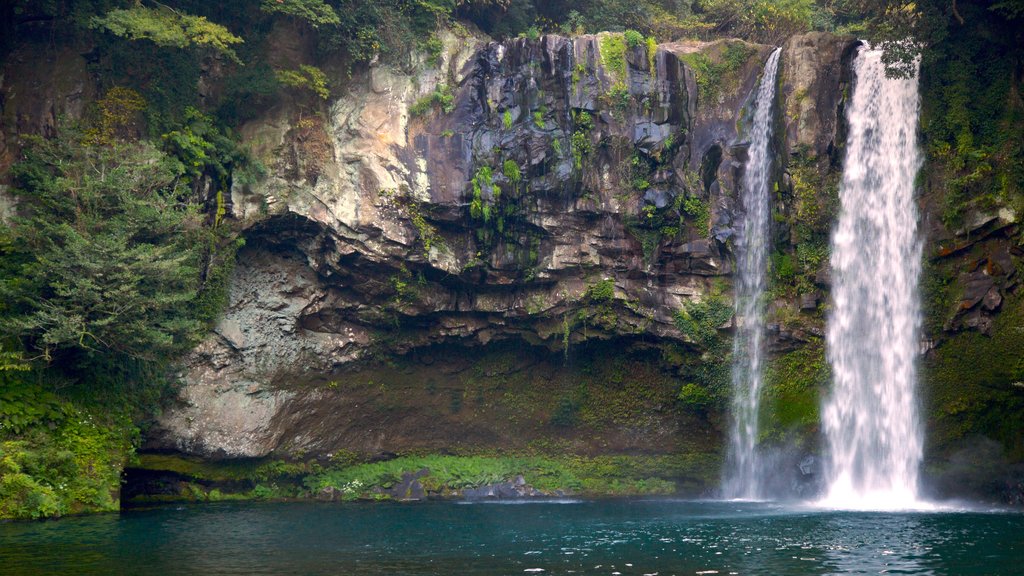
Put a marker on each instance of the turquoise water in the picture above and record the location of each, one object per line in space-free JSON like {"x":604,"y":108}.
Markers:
{"x":610,"y":537}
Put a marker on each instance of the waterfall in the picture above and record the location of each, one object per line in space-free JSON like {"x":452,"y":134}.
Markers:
{"x":870,"y":418}
{"x":743,"y":478}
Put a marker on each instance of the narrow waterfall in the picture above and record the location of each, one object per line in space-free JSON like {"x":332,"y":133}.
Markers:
{"x":870,"y":419}
{"x":742,"y":469}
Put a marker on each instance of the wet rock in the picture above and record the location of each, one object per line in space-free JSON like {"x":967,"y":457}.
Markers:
{"x":813,"y":74}
{"x":510,"y":490}
{"x":976,"y":286}
{"x":992,"y":299}
{"x":809,"y":301}
{"x":409,"y":486}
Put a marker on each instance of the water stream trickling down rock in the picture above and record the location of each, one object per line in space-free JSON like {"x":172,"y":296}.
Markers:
{"x":743,"y":474}
{"x":870,"y":420}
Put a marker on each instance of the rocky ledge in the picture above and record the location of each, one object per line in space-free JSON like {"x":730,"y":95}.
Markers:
{"x":545,"y":192}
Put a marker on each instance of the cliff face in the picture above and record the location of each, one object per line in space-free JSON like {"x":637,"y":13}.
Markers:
{"x":548,"y":193}
{"x":486,"y":250}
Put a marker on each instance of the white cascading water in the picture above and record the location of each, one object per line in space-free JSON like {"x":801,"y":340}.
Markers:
{"x":743,"y":471}
{"x":870,"y":419}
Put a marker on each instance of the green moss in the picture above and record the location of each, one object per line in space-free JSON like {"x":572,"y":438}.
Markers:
{"x":593,"y":476}
{"x":506,"y":119}
{"x":974,"y":384}
{"x":792,"y":387}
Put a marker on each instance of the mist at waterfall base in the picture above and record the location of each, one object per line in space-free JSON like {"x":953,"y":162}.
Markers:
{"x":744,"y":472}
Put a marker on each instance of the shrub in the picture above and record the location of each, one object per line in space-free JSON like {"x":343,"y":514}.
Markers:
{"x":633,"y":38}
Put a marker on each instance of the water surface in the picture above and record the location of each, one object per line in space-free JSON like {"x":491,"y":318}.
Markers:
{"x":612,"y":537}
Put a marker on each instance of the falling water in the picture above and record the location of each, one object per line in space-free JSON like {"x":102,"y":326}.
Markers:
{"x":743,"y":478}
{"x":870,"y":419}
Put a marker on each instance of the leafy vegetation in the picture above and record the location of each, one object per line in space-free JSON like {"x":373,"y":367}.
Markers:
{"x":165,"y":26}
{"x":306,"y":77}
{"x":716,"y":70}
{"x":316,"y":12}
{"x":120,"y":260}
{"x":441,"y":98}
{"x":707,"y":375}
{"x":589,"y":476}
{"x":55,"y":458}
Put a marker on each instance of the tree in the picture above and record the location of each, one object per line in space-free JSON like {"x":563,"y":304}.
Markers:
{"x":313,"y":11}
{"x":110,"y":251}
{"x":165,"y":26}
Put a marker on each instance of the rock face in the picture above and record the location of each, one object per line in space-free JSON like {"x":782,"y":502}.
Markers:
{"x":542,"y":191}
{"x":816,"y":68}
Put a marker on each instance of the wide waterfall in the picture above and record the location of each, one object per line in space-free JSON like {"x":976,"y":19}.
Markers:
{"x":743,"y":478}
{"x":870,"y":419}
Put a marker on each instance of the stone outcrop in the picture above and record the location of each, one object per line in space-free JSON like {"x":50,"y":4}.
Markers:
{"x":544,"y":191}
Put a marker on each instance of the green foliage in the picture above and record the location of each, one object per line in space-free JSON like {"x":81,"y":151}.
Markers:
{"x":700,"y":320}
{"x":166,"y":27}
{"x":442,"y":97}
{"x":167,"y":80}
{"x":306,"y":77}
{"x":112,"y":261}
{"x":619,"y":97}
{"x":763,"y":21}
{"x":23,"y":407}
{"x":652,"y":54}
{"x":602,"y":291}
{"x":434,"y":48}
{"x":695,"y":398}
{"x":699,"y":211}
{"x":506,"y":119}
{"x":590,"y":476}
{"x":613,"y":56}
{"x":479,"y":207}
{"x":511,"y":171}
{"x":708,"y":377}
{"x":113,"y":255}
{"x":538,"y":119}
{"x":633,"y":38}
{"x":116,"y":113}
{"x":972,"y":115}
{"x":716,"y":70}
{"x":316,"y":12}
{"x":793,"y":383}
{"x":56,"y":459}
{"x":580,"y":141}
{"x":975,"y":382}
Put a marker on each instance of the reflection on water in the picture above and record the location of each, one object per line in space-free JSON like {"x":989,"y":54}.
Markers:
{"x":572,"y":537}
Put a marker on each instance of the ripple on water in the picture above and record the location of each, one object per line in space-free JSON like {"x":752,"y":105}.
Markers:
{"x":668,"y":537}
